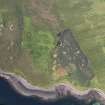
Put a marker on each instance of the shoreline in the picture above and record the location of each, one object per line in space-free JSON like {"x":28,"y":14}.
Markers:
{"x":21,"y":86}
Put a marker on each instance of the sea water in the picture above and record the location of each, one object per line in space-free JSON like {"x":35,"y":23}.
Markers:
{"x":8,"y":96}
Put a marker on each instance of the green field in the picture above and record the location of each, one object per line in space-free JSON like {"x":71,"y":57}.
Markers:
{"x":28,"y":49}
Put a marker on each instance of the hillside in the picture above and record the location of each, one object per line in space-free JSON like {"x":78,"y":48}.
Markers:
{"x":32,"y":35}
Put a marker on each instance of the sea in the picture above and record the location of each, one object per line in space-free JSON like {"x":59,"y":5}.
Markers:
{"x":8,"y":96}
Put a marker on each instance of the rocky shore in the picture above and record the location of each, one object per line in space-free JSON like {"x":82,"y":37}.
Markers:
{"x":55,"y":92}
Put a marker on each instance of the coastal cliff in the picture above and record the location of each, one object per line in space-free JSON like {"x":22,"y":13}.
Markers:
{"x":56,"y":92}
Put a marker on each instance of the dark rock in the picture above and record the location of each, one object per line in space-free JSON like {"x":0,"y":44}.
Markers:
{"x":69,"y":52}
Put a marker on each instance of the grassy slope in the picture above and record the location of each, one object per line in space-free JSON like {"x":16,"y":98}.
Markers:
{"x":86,"y":18}
{"x":33,"y":57}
